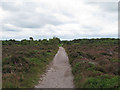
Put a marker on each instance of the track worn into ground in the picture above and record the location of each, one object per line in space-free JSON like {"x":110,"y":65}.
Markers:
{"x":59,"y":74}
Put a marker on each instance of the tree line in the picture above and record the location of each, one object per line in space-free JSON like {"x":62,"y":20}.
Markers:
{"x":31,"y":41}
{"x":56,"y":40}
{"x":93,"y":41}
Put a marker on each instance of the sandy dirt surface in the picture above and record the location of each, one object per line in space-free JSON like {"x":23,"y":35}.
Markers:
{"x":59,"y":73}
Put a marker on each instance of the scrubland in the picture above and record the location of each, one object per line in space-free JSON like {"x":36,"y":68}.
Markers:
{"x":24,"y":63}
{"x":95,"y":63}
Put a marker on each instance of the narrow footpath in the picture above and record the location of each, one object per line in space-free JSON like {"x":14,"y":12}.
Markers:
{"x":59,"y":74}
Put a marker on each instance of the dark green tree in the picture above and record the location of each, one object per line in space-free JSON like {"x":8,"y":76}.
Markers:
{"x":31,"y":38}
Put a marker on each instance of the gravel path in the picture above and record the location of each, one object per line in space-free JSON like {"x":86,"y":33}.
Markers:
{"x":59,"y":74}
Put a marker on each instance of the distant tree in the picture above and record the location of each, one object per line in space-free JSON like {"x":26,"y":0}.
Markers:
{"x":45,"y":41}
{"x":39,"y":40}
{"x":5,"y":42}
{"x":11,"y":42}
{"x":24,"y":42}
{"x":31,"y":41}
{"x":31,"y":38}
{"x":55,"y":40}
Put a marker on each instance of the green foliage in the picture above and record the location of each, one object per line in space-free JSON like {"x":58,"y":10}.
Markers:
{"x":45,"y":41}
{"x":106,"y":54}
{"x":60,"y":45}
{"x":52,"y":41}
{"x":25,"y":42}
{"x":23,"y":65}
{"x":31,"y":38}
{"x":76,"y":68}
{"x":103,"y":81}
{"x":91,"y":60}
{"x":35,"y":60}
{"x":91,"y":67}
{"x":115,"y":60}
{"x":77,"y":78}
{"x":24,"y":61}
{"x":55,"y":40}
{"x":100,"y":41}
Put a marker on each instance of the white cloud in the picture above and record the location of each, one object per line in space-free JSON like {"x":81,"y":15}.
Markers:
{"x":67,"y":19}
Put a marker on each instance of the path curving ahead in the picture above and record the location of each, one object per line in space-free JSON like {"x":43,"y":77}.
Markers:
{"x":59,"y":74}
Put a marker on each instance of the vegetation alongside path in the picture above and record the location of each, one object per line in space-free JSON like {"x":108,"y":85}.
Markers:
{"x":95,"y":63}
{"x":23,"y":64}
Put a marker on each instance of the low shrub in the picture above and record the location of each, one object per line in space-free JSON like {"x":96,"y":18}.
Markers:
{"x":91,"y":60}
{"x":23,"y":65}
{"x":103,"y":81}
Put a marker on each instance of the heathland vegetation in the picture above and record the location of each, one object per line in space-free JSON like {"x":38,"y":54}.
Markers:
{"x":94,"y":62}
{"x":24,"y":61}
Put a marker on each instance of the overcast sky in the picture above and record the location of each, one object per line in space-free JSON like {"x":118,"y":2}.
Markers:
{"x":66,"y":19}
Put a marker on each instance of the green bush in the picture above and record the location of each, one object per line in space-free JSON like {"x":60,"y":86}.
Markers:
{"x":103,"y":81}
{"x":91,"y":67}
{"x":77,"y":67}
{"x":23,"y":65}
{"x":115,"y":60}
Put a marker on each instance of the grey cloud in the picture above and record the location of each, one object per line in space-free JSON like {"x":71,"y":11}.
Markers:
{"x":111,"y":7}
{"x":9,"y":6}
{"x":12,"y":6}
{"x":33,"y":20}
{"x":92,"y":28}
{"x":101,"y":0}
{"x":11,"y":30}
{"x":26,"y":17}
